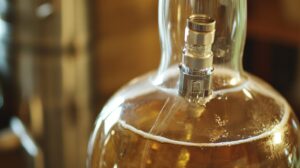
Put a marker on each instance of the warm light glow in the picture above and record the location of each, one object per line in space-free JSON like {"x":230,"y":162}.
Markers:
{"x":277,"y":138}
{"x":233,"y":81}
{"x":247,"y":93}
{"x":183,"y":158}
{"x":36,"y":115}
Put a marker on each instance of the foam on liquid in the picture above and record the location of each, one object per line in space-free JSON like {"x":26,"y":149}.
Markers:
{"x":219,"y":144}
{"x":161,"y":139}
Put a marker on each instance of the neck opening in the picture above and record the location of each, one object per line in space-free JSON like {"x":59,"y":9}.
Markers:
{"x":227,"y":21}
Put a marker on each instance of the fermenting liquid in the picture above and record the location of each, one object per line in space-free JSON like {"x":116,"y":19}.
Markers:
{"x":239,"y":128}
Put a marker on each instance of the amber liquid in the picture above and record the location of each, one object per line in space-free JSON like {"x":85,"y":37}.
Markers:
{"x":242,"y":129}
{"x":149,"y":153}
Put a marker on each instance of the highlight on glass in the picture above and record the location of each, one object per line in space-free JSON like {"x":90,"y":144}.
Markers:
{"x":200,"y":107}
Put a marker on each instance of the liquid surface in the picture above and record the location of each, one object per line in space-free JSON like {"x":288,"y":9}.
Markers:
{"x":249,"y":127}
{"x":274,"y":151}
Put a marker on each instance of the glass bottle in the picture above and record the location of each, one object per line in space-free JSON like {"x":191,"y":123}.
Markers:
{"x":207,"y":113}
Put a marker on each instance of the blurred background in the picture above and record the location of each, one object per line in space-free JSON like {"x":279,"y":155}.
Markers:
{"x":272,"y":49}
{"x":61,"y":60}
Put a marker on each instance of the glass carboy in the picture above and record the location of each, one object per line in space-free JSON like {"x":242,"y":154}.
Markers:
{"x":200,"y":109}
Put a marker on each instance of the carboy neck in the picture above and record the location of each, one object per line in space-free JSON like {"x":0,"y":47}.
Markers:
{"x":227,"y":48}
